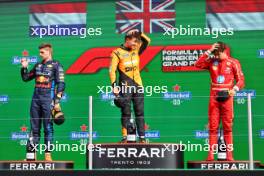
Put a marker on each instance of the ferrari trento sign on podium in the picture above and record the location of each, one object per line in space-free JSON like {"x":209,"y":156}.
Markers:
{"x":132,"y":155}
{"x":36,"y":165}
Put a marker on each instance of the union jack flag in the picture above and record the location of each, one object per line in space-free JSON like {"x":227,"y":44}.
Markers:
{"x":145,"y":15}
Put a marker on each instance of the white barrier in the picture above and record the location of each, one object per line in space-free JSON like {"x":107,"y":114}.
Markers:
{"x":90,"y":131}
{"x":250,"y":139}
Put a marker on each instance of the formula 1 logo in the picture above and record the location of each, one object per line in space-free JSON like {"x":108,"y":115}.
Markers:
{"x":92,"y":60}
{"x":95,"y":59}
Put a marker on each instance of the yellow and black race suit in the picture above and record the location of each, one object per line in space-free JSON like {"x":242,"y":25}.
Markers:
{"x":126,"y":61}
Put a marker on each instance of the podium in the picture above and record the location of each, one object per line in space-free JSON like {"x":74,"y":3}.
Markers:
{"x":221,"y":165}
{"x":36,"y":165}
{"x":134,"y":155}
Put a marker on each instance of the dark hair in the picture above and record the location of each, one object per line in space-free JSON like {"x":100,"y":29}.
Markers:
{"x":44,"y":45}
{"x":222,"y":46}
{"x":134,"y":35}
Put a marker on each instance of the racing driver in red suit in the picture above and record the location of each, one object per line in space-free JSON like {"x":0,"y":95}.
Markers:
{"x":226,"y":79}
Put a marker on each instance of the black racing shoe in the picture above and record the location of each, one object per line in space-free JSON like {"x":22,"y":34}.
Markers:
{"x":123,"y":141}
{"x":142,"y":141}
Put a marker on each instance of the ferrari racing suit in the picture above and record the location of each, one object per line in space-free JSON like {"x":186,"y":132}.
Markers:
{"x":223,"y":73}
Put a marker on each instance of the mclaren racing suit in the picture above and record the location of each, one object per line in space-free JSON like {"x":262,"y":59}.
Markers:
{"x":223,"y":74}
{"x":49,"y":81}
{"x":126,"y":61}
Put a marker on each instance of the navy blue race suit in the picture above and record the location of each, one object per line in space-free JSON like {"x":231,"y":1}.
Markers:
{"x":49,"y":82}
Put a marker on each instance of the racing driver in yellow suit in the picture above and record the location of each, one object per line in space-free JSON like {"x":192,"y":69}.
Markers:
{"x":125,"y":59}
